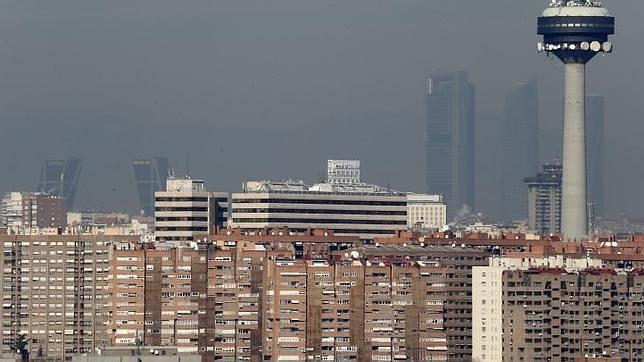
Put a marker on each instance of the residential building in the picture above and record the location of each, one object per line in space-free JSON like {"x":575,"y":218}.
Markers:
{"x":487,"y":298}
{"x":55,"y":291}
{"x":60,"y":177}
{"x":426,"y":211}
{"x":343,"y":172}
{"x":28,"y":212}
{"x":544,"y":200}
{"x":361,"y":210}
{"x":150,"y":175}
{"x":450,"y":139}
{"x":596,"y":150}
{"x":520,"y":150}
{"x":375,"y":303}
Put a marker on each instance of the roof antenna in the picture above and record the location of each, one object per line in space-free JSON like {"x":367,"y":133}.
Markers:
{"x":188,"y":165}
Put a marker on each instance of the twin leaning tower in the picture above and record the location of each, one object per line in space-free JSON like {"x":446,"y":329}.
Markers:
{"x":575,"y":31}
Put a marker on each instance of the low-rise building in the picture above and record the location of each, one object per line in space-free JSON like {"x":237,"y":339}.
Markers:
{"x":426,"y":211}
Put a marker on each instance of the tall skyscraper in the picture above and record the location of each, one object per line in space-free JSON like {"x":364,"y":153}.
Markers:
{"x":150,"y":175}
{"x":450,"y":139}
{"x":595,"y":131}
{"x":520,"y":148}
{"x":59,"y":177}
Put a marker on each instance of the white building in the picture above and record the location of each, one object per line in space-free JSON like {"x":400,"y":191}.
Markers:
{"x":186,"y":209}
{"x":426,"y":211}
{"x":343,"y":172}
{"x":360,"y":210}
{"x":487,"y":299}
{"x":12,"y":210}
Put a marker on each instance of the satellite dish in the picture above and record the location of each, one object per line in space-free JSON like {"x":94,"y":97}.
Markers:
{"x":572,"y":47}
{"x":595,"y":46}
{"x":607,"y":46}
{"x":585,"y":45}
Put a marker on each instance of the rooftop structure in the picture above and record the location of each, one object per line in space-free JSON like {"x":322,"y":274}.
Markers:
{"x":343,"y":172}
{"x":575,"y":31}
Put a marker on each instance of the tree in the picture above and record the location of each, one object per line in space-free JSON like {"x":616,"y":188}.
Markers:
{"x":19,"y":346}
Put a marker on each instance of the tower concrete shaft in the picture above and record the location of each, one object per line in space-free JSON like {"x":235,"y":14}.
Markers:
{"x":575,"y":31}
{"x":574,"y":220}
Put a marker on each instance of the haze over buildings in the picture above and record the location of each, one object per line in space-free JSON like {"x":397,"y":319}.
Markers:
{"x":520,"y":149}
{"x":596,"y":146}
{"x":139,"y":80}
{"x":450,"y":140}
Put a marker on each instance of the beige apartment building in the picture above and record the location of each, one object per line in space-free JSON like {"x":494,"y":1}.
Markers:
{"x":547,"y":309}
{"x":55,"y":292}
{"x":375,"y":303}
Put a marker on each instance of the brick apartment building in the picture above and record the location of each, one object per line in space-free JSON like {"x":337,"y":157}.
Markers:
{"x":382,"y":304}
{"x":55,"y":292}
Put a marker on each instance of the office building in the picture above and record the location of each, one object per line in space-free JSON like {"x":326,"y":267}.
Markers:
{"x":55,"y":291}
{"x":362,"y":210}
{"x":59,"y":177}
{"x":450,"y":140}
{"x":520,"y":149}
{"x":343,"y":172}
{"x":544,"y":200}
{"x":426,"y":211}
{"x":181,"y":211}
{"x":150,"y":175}
{"x":596,"y":134}
{"x":28,"y":212}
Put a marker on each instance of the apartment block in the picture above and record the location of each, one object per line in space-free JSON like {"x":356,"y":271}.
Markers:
{"x":563,"y":309}
{"x":55,"y":291}
{"x":374,"y":303}
{"x":28,"y":212}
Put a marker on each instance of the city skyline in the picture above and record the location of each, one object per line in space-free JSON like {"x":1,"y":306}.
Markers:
{"x":387,"y":107}
{"x":364,"y":181}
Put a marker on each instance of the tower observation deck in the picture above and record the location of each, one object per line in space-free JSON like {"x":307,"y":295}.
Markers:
{"x":575,"y":31}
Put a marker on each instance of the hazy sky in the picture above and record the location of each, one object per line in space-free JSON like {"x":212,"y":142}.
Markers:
{"x":272,"y":88}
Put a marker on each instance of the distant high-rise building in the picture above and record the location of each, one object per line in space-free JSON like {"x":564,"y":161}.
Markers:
{"x":595,"y":131}
{"x":59,"y":177}
{"x":450,"y":139}
{"x":520,"y":148}
{"x":343,"y":172}
{"x":544,"y":200}
{"x":150,"y":175}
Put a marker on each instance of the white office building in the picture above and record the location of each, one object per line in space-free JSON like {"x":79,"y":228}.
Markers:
{"x":186,"y":209}
{"x":426,"y":211}
{"x":360,"y":210}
